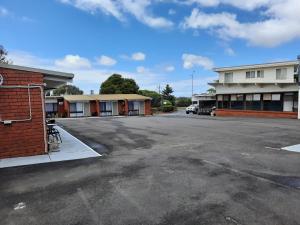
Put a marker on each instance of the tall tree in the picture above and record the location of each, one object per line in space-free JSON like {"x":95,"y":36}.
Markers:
{"x":116,"y":84}
{"x":67,"y":90}
{"x":3,"y":56}
{"x":156,"y":98}
{"x":167,"y":94}
{"x":211,"y":91}
{"x":183,"y":101}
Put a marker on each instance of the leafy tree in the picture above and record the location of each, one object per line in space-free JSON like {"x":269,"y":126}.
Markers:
{"x":67,"y":90}
{"x":3,"y":56}
{"x":183,"y":101}
{"x":156,"y":98}
{"x":211,"y":91}
{"x":167,"y":94}
{"x":116,"y":84}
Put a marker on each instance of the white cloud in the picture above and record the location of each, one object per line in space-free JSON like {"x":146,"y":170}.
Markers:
{"x":107,"y":7}
{"x":171,"y":12}
{"x":3,"y":12}
{"x":106,"y":61}
{"x":119,"y":9}
{"x":141,"y":69}
{"x":190,"y":61}
{"x":169,"y":68}
{"x":138,"y":56}
{"x":280,"y":23}
{"x":73,"y":62}
{"x":241,"y":4}
{"x":90,"y":78}
{"x":229,"y":51}
{"x":26,"y":59}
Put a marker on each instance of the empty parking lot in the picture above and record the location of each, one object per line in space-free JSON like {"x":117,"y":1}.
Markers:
{"x":170,"y":169}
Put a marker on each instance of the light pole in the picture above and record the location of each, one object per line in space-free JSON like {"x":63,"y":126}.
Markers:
{"x":193,"y":82}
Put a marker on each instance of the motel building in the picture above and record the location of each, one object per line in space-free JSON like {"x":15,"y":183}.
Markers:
{"x":22,"y":108}
{"x":260,"y":90}
{"x":98,"y":105}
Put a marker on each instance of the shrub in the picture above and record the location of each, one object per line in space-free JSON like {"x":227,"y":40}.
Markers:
{"x":167,"y":108}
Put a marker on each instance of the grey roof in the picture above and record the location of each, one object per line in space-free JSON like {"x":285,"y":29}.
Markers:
{"x":204,"y":95}
{"x":42,"y":71}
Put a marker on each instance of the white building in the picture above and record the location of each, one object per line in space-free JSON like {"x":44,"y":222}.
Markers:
{"x":269,"y":89}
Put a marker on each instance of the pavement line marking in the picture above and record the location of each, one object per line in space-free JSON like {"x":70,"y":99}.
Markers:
{"x":80,"y":141}
{"x":248,"y":174}
{"x":20,"y":205}
{"x":267,"y":147}
{"x":88,"y":206}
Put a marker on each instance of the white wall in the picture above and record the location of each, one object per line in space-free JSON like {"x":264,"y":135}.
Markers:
{"x":267,"y":88}
{"x":239,"y":76}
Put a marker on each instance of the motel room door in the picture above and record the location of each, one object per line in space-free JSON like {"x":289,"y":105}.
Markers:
{"x":288,"y":102}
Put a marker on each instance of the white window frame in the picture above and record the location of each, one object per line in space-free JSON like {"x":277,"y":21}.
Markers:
{"x":281,"y":73}
{"x":260,"y":73}
{"x":250,"y":74}
{"x":228,"y":77}
{"x":77,"y":114}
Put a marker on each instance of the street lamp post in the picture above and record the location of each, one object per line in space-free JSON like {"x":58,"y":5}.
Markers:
{"x":193,"y":82}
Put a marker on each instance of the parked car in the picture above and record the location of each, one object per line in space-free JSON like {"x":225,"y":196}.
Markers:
{"x":192,"y":109}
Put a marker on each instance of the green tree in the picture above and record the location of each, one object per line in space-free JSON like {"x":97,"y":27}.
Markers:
{"x":167,"y":94}
{"x":183,"y":101}
{"x":156,"y":98}
{"x":211,"y":91}
{"x":116,"y":84}
{"x":67,"y":90}
{"x":3,"y":56}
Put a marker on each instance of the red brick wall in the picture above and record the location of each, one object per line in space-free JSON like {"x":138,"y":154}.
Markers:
{"x":126,"y":107}
{"x":252,"y":113}
{"x":21,"y":138}
{"x":148,"y":109}
{"x":66,"y":109}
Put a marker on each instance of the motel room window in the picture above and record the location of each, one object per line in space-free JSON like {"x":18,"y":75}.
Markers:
{"x":76,"y":109}
{"x":260,"y":74}
{"x":237,"y":101}
{"x":272,"y":102}
{"x":133,"y":108}
{"x":250,"y":74}
{"x":253,"y":102}
{"x":228,"y":77}
{"x":220,"y":101}
{"x":281,"y":74}
{"x":105,"y":109}
{"x":225,"y":101}
{"x":51,"y":107}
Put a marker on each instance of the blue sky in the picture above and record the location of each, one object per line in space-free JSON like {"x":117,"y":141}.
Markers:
{"x":153,"y":41}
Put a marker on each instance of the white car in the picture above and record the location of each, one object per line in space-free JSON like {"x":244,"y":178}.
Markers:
{"x":192,"y":109}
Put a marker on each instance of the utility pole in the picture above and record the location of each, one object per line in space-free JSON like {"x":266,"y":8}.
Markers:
{"x":159,"y":91}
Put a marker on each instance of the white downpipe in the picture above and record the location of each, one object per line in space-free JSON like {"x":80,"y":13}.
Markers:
{"x":31,"y":86}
